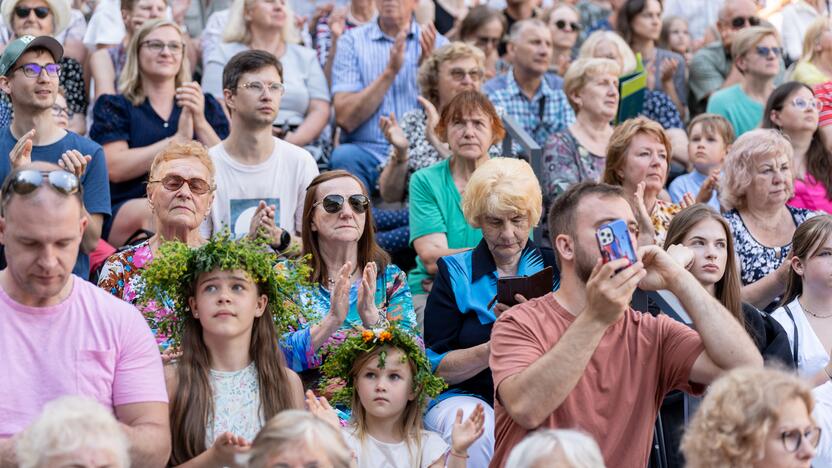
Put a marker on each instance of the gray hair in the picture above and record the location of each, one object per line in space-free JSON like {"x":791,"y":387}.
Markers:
{"x":70,"y":424}
{"x":518,"y":27}
{"x":578,"y":448}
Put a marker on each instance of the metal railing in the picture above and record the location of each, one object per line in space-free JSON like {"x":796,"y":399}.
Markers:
{"x":528,"y":150}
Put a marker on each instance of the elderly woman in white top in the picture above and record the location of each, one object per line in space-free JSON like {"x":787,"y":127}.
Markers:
{"x":269,"y":25}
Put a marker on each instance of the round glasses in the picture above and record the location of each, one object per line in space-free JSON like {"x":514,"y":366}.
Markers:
{"x":561,"y":24}
{"x":792,"y":439}
{"x":802,"y":104}
{"x":335,"y":203}
{"x":174,"y":182}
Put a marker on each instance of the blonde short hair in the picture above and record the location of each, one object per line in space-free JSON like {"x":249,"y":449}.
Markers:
{"x":174,"y":151}
{"x":429,"y":70}
{"x":237,"y":30}
{"x":746,"y":39}
{"x":59,"y":9}
{"x":620,"y":141}
{"x":732,"y":423}
{"x":582,"y":71}
{"x":502,"y":186}
{"x":70,"y":424}
{"x":579,"y":449}
{"x":295,"y":427}
{"x":813,"y":34}
{"x":738,"y":168}
{"x":130,"y":83}
{"x":628,"y":58}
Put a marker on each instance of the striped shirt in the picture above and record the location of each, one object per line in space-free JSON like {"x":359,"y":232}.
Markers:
{"x":360,"y":58}
{"x":546,"y":113}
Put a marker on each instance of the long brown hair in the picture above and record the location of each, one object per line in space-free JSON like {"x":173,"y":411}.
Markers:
{"x":193,"y":402}
{"x":368,"y":249}
{"x":412,"y":418}
{"x":728,"y":289}
{"x":808,"y":237}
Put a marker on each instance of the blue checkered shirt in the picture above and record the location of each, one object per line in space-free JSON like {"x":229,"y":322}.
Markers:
{"x":360,"y":58}
{"x":546,"y":113}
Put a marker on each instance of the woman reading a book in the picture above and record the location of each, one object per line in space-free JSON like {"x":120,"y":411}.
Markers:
{"x":503,"y":199}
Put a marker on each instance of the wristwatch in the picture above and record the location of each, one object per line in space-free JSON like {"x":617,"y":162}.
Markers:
{"x":285,"y":240}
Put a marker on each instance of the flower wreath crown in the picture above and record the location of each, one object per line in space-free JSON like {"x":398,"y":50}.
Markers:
{"x":172,"y":275}
{"x":338,"y":365}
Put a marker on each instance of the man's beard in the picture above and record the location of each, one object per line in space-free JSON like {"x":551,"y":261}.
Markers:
{"x":584,"y":262}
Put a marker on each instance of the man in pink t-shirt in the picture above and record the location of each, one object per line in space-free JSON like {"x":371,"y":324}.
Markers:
{"x":60,"y":335}
{"x":582,"y":358}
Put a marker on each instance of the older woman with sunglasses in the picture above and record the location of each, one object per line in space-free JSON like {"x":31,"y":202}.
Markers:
{"x":158,"y":104}
{"x":48,"y":18}
{"x":180,"y":192}
{"x":353,"y":282}
{"x":565,"y":23}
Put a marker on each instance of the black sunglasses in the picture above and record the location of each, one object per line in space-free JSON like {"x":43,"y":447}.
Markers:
{"x":24,"y":12}
{"x":766,"y":51}
{"x":561,"y":24}
{"x":741,"y":21}
{"x":174,"y":182}
{"x":335,"y":203}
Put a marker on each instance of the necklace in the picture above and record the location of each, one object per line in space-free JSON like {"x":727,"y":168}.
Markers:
{"x":331,"y":281}
{"x":814,"y":314}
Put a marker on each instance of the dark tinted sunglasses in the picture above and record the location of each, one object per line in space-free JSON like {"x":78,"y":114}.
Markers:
{"x":174,"y":182}
{"x":766,"y":51}
{"x":561,"y":24}
{"x":334,"y":203}
{"x":742,"y":21}
{"x":24,"y":12}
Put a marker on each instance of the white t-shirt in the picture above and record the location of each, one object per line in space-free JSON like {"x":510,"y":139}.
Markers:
{"x":823,"y":417}
{"x":811,"y":355}
{"x":375,"y":454}
{"x":281,"y":181}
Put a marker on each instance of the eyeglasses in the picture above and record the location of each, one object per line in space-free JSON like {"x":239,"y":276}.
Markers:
{"x":792,"y":439}
{"x":740,"y":22}
{"x":33,"y":70}
{"x":174,"y":182}
{"x":28,"y":180}
{"x":802,"y":104}
{"x":476,"y":74}
{"x":334,"y":203}
{"x":561,"y":24}
{"x":24,"y":12}
{"x":57,"y":110}
{"x":765,"y":51}
{"x":257,"y":87}
{"x":483,"y":41}
{"x":174,"y":47}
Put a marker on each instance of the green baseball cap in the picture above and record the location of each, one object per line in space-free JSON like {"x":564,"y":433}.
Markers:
{"x":17,"y":47}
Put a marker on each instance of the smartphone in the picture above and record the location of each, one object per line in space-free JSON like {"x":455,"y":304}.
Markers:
{"x":614,"y":242}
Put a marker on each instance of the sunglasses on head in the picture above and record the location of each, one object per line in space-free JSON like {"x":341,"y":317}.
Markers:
{"x":174,"y":182}
{"x":29,"y":180}
{"x":24,"y":12}
{"x":335,"y":203}
{"x":561,"y":24}
{"x":742,"y":21}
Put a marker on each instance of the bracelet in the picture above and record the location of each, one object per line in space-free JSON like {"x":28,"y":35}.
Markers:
{"x":454,"y":454}
{"x":382,"y":321}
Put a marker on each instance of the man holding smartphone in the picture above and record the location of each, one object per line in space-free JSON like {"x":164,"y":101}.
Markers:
{"x":582,"y":357}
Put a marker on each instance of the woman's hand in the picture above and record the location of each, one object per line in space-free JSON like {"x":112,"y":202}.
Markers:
{"x":170,"y":355}
{"x":189,"y":96}
{"x":185,"y":130}
{"x":367,"y":296}
{"x":645,"y":221}
{"x":394,"y":134}
{"x":340,"y":294}
{"x":431,"y":121}
{"x":464,"y":434}
{"x":499,"y":307}
{"x":72,"y":161}
{"x":321,"y":409}
{"x":227,"y":446}
{"x":263,"y":224}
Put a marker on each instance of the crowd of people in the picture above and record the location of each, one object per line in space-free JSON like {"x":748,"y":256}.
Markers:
{"x":296,"y":233}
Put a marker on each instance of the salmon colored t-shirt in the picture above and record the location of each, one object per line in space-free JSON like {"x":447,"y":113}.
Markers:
{"x":638,"y":360}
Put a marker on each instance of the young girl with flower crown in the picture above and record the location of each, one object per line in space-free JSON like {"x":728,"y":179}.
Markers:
{"x":231,"y":377}
{"x":388,"y":380}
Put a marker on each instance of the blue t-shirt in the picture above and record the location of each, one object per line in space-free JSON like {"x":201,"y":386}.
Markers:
{"x":691,"y":183}
{"x":117,"y":119}
{"x":94,"y":180}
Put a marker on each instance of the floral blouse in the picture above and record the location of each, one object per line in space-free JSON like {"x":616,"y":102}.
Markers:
{"x":392,"y":297}
{"x":662,"y":214}
{"x":420,"y":153}
{"x":237,"y":406}
{"x":756,"y":259}
{"x":566,"y":162}
{"x":121,"y":276}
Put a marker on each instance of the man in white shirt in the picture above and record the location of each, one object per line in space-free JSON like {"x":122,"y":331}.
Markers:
{"x":261,"y":179}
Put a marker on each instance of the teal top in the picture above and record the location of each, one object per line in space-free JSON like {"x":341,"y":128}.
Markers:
{"x":732,"y":103}
{"x":436,"y":206}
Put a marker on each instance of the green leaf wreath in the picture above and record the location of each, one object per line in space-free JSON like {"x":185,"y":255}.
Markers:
{"x":172,"y":274}
{"x":338,"y":365}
